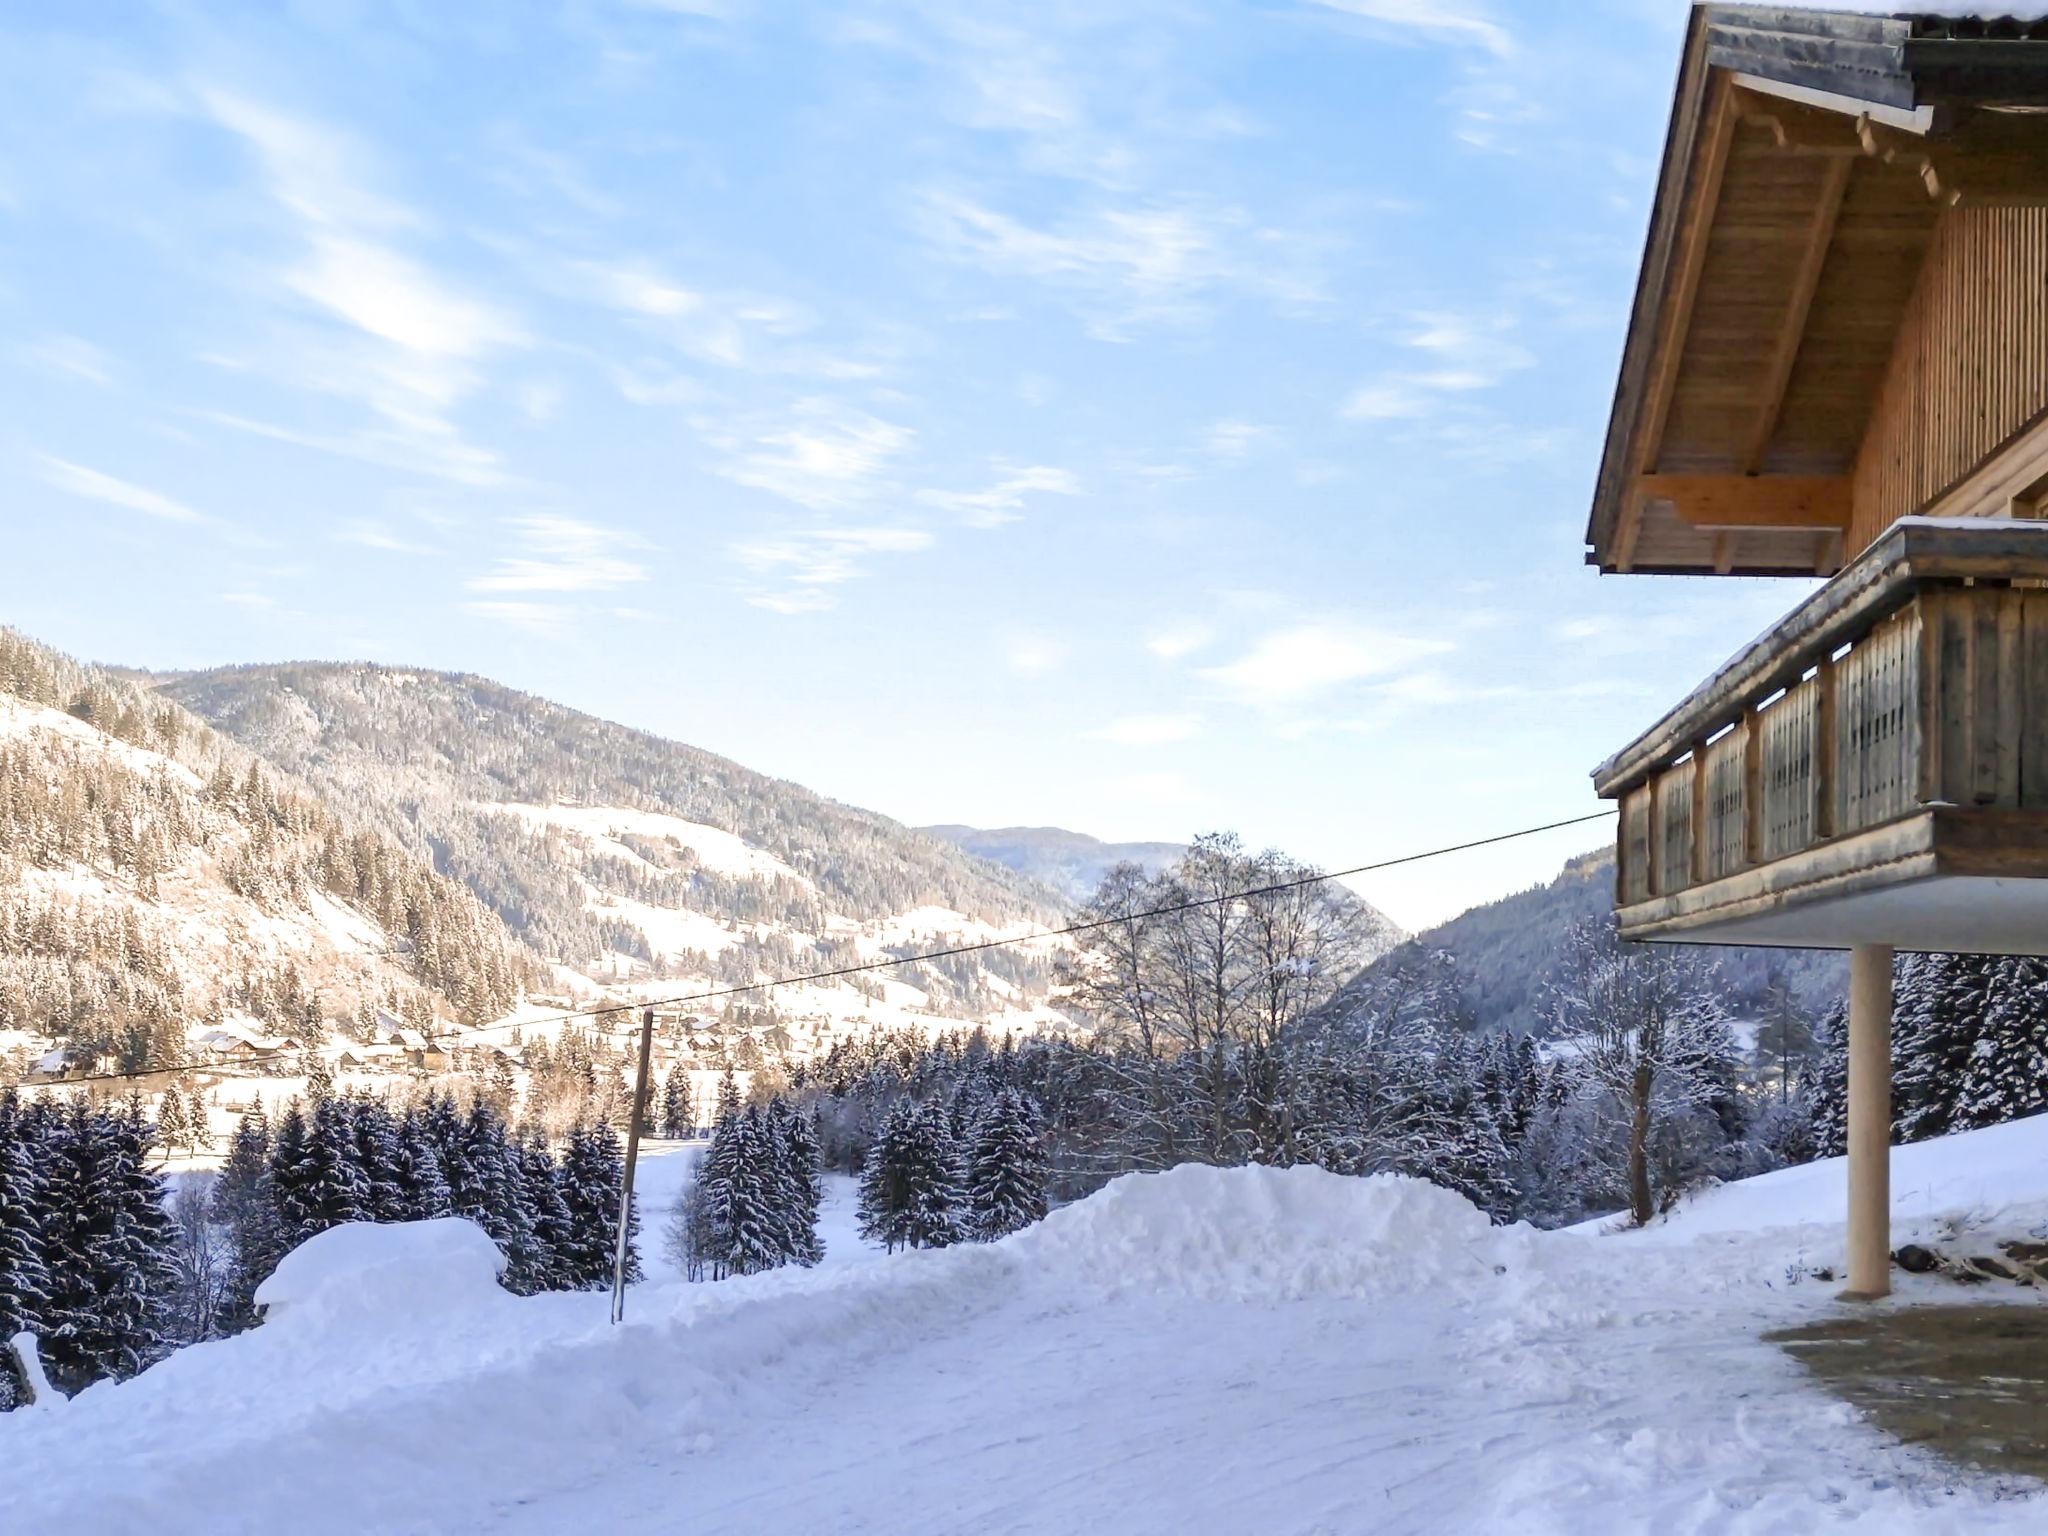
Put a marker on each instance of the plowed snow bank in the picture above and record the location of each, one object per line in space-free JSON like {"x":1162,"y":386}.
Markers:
{"x":1269,"y":1234}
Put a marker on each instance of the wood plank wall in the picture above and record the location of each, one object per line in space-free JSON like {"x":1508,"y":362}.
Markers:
{"x":1970,"y":368}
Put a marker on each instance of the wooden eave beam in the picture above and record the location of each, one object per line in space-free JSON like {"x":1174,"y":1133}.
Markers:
{"x":1820,"y":237}
{"x":1977,"y":166}
{"x":1732,"y":503}
{"x":1676,"y":322}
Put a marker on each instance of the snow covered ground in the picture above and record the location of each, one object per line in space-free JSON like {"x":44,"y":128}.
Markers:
{"x":1199,"y":1351}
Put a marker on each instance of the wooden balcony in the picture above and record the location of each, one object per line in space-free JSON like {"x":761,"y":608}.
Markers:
{"x":1872,"y":770}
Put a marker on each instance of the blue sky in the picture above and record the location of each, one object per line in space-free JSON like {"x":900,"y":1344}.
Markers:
{"x":1134,"y":417}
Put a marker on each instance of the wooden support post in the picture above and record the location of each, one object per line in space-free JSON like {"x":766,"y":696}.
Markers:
{"x":632,"y":1157}
{"x":1870,"y":1122}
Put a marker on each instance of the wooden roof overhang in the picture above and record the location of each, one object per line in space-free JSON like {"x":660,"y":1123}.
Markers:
{"x":1809,"y":156}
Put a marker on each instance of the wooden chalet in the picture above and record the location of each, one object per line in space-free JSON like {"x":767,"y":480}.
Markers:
{"x":1837,"y":366}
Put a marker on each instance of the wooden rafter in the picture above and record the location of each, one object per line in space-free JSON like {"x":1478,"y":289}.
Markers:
{"x":1677,"y":319}
{"x":1820,"y":236}
{"x":1735,"y":502}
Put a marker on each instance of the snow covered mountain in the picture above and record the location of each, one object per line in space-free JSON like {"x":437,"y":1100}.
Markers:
{"x":1507,"y":953}
{"x":158,"y":883}
{"x":645,"y":864}
{"x":1072,"y":863}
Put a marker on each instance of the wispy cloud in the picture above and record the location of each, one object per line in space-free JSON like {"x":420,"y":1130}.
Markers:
{"x":372,"y":534}
{"x":1460,"y":355}
{"x":1128,"y":265}
{"x":563,"y":554}
{"x":70,"y":357}
{"x":805,"y":562}
{"x":92,"y":485}
{"x":1304,"y":661}
{"x":548,"y":620}
{"x":1003,"y":501}
{"x":1455,"y":22}
{"x":1231,"y":440}
{"x":401,"y":340}
{"x":825,"y":455}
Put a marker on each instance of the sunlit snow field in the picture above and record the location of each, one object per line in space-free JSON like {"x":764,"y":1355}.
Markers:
{"x":1247,"y":1350}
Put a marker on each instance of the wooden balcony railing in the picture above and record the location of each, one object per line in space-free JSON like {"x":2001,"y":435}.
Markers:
{"x":1917,"y":678}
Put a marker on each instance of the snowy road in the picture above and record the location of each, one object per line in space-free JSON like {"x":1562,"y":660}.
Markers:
{"x":1202,"y":1351}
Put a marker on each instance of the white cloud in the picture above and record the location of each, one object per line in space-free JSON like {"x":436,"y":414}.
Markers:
{"x":255,"y":600}
{"x":1305,"y":660}
{"x":1178,"y":640}
{"x":1148,"y":730}
{"x":371,"y":534}
{"x":1036,"y":655}
{"x":563,"y":554}
{"x":1455,"y":22}
{"x":803,"y":600}
{"x":813,"y":559}
{"x":1236,"y":439}
{"x":548,"y":620}
{"x":1003,"y":501}
{"x":1462,"y":354}
{"x":71,"y":356}
{"x":1132,"y":264}
{"x":77,"y":480}
{"x":400,"y":339}
{"x":390,"y":296}
{"x":828,"y":456}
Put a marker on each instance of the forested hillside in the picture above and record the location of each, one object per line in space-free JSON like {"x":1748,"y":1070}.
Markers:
{"x":1507,"y":955}
{"x":624,"y":855}
{"x":155,"y":876}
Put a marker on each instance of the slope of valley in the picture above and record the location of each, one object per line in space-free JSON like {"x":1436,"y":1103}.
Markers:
{"x":1072,"y":863}
{"x":159,"y":886}
{"x":644,"y":866}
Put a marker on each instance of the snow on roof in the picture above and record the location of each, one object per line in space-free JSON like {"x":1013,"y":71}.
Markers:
{"x":233,"y":1032}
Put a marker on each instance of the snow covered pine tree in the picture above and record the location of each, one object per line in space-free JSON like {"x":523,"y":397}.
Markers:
{"x":1006,"y":1175}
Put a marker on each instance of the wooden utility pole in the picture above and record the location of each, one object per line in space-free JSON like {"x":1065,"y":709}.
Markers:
{"x":632,"y":1157}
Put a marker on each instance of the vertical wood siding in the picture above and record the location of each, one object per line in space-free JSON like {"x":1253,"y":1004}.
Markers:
{"x":1969,"y":369}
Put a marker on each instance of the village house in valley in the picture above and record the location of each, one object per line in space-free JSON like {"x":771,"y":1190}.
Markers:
{"x":1837,"y":366}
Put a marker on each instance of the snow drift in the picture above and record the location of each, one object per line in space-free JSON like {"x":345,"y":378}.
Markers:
{"x":363,"y":1270}
{"x":1203,"y":1350}
{"x":1270,"y":1234}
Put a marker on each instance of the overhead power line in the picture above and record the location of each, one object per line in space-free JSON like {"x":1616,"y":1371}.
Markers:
{"x":867,"y":967}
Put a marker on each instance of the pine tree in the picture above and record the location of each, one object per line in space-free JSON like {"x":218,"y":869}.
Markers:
{"x":315,"y":1172}
{"x":173,"y":1126}
{"x":908,"y":1192}
{"x":108,"y":1249}
{"x":1826,"y":1089}
{"x":675,"y":1103}
{"x":1940,"y":1002}
{"x":728,"y":1096}
{"x":245,"y":1206}
{"x":802,"y":1181}
{"x":540,"y":1188}
{"x":2007,"y":1074}
{"x":422,"y":1187}
{"x":483,"y":1185}
{"x":24,"y":1277}
{"x":375,"y":1135}
{"x":1007,"y":1171}
{"x":737,"y":1213}
{"x":592,"y":1176}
